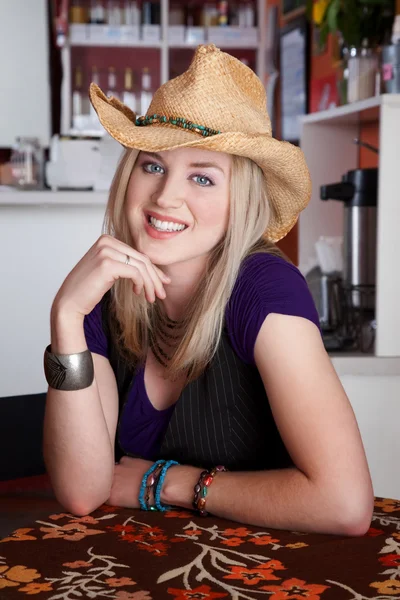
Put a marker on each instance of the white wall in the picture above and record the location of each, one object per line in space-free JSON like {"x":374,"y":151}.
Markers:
{"x":24,"y":68}
{"x":39,"y":245}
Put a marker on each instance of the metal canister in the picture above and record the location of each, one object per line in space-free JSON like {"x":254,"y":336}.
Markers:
{"x":391,"y":68}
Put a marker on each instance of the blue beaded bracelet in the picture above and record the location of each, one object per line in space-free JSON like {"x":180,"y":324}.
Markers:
{"x":144,"y":484}
{"x":157,"y":495}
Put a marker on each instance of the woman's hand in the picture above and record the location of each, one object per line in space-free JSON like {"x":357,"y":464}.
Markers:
{"x":97,"y":272}
{"x":128,"y":475}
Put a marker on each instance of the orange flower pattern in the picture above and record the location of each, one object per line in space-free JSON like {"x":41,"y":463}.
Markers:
{"x":295,"y":589}
{"x":264,"y":572}
{"x":19,"y":535}
{"x":388,"y":505}
{"x":73,"y":532}
{"x":200,"y":593}
{"x":13,"y":576}
{"x":391,"y":587}
{"x":36,"y":588}
{"x":66,"y":556}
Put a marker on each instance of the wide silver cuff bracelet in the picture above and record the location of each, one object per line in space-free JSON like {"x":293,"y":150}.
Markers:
{"x":68,"y":372}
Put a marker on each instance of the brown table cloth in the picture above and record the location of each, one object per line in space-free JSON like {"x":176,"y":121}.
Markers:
{"x":132,"y":555}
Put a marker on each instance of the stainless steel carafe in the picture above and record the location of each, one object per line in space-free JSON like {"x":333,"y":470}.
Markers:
{"x":358,"y":190}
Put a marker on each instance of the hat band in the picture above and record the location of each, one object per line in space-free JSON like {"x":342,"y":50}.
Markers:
{"x":178,"y":122}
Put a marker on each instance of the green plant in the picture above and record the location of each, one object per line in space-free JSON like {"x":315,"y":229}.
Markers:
{"x":357,"y":21}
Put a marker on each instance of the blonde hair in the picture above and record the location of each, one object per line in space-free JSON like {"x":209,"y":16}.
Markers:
{"x":204,"y":319}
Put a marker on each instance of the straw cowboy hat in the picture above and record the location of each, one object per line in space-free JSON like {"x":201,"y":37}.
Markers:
{"x":217,"y":104}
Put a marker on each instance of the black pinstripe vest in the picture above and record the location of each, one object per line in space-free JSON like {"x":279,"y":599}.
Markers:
{"x":223,"y":417}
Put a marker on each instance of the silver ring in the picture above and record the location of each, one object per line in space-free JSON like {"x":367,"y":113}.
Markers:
{"x":127,"y":260}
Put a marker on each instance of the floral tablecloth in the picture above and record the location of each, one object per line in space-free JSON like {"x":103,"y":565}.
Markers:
{"x":130,"y":555}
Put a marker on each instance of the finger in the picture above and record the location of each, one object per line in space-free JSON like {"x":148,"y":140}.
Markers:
{"x":162,"y":275}
{"x":135,"y":270}
{"x":155,"y":273}
{"x":144,"y":260}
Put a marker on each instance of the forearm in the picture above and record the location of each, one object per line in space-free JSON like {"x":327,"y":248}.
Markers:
{"x":77,"y":447}
{"x":279,"y":499}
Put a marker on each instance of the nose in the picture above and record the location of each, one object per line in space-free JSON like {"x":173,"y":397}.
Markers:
{"x":169,"y":193}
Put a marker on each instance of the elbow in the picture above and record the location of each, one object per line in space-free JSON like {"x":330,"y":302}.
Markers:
{"x":80,"y":509}
{"x":355,"y":516}
{"x":81,"y":504}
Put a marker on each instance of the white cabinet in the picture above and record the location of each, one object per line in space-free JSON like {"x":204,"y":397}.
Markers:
{"x":24,"y":80}
{"x":327,"y":141}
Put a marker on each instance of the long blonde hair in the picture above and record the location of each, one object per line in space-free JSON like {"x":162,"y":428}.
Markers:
{"x":204,"y":319}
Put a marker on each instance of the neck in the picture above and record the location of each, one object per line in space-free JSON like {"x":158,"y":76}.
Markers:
{"x":184,"y":281}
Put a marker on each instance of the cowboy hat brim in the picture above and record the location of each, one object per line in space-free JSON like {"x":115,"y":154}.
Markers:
{"x":284,"y":167}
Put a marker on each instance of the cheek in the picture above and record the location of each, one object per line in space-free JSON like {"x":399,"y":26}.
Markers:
{"x":214,"y":212}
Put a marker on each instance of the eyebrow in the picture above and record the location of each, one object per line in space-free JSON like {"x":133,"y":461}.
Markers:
{"x":197,"y":165}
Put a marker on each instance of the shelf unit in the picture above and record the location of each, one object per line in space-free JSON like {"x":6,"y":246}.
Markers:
{"x":327,"y":142}
{"x":164,"y":47}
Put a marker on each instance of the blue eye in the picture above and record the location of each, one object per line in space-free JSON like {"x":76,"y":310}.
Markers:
{"x":153,"y":168}
{"x":202,"y":180}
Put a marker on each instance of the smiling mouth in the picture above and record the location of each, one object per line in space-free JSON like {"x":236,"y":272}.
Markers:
{"x":165,"y":226}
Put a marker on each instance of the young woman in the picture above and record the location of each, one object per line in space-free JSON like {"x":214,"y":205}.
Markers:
{"x":183,"y":341}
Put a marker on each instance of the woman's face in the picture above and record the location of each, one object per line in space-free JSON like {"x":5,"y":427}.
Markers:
{"x":177,"y":203}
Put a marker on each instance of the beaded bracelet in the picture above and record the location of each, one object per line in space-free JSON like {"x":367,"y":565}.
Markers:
{"x":143,"y":485}
{"x":157,"y":495}
{"x":201,"y":488}
{"x":151,"y":485}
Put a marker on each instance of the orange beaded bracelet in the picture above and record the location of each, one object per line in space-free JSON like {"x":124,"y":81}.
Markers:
{"x":201,"y":489}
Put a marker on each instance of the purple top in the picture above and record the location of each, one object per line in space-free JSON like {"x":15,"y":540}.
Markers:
{"x":266,"y":284}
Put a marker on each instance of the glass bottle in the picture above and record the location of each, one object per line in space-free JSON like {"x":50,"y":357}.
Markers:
{"x":27,"y":163}
{"x":128,"y":96}
{"x":112,"y":83}
{"x":77,"y":103}
{"x":131,"y":13}
{"x":97,"y":12}
{"x":95,"y":79}
{"x":145,"y":94}
{"x":77,"y":12}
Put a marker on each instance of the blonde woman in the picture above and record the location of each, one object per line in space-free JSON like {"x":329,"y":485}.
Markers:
{"x":186,"y":365}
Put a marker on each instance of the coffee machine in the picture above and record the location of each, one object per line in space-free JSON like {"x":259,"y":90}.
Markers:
{"x":358,"y":190}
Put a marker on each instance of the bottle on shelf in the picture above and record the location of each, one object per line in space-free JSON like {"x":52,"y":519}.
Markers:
{"x":114,"y":14}
{"x":129,"y":96}
{"x":190,"y":14}
{"x":131,"y":13}
{"x":246,"y":14}
{"x":97,"y":12}
{"x":209,"y":14}
{"x":95,"y":78}
{"x":233,"y":14}
{"x":77,"y":12}
{"x":223,"y":10}
{"x":176,"y":14}
{"x":145,"y":93}
{"x":112,"y":82}
{"x":146,"y":13}
{"x":77,"y":100}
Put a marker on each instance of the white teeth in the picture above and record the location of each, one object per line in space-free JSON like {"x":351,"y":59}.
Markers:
{"x":166,"y":225}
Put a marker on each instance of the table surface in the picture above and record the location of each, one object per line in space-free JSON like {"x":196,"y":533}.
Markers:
{"x":132,"y":555}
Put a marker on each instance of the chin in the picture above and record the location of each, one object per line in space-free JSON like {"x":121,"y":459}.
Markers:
{"x":157,"y":256}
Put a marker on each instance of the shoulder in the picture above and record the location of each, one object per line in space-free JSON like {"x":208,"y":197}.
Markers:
{"x":266,"y":284}
{"x":268,"y":267}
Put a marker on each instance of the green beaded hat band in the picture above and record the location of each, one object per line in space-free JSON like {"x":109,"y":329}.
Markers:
{"x":218,"y":104}
{"x":178,"y":121}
